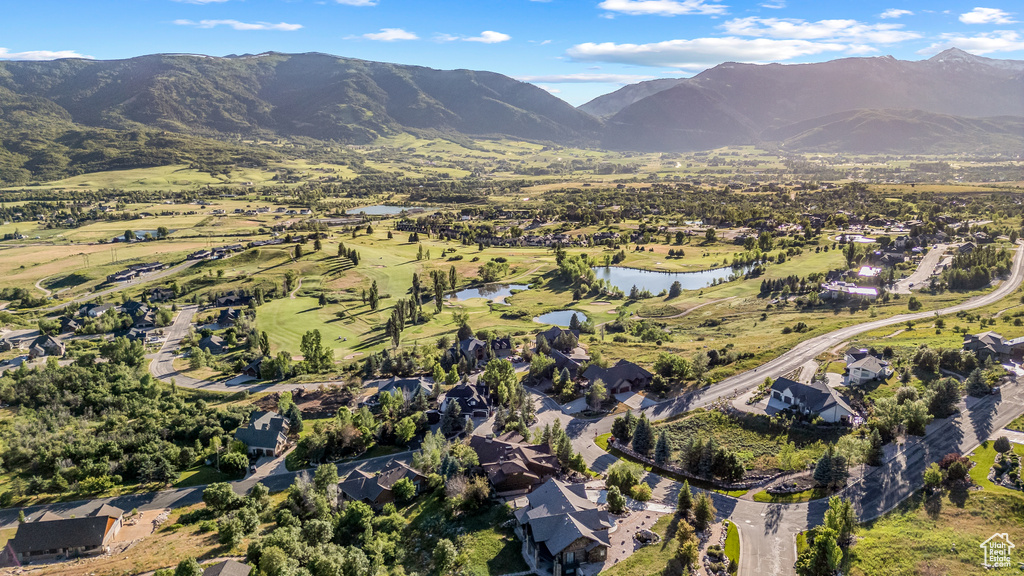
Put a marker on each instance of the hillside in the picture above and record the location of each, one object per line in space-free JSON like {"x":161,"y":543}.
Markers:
{"x":752,"y":103}
{"x":609,"y":104}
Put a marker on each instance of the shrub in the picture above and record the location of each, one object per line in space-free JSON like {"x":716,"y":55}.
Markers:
{"x":641,"y":492}
{"x":1002,"y":444}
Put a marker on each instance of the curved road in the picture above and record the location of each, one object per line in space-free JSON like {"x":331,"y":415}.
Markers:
{"x":766,"y":530}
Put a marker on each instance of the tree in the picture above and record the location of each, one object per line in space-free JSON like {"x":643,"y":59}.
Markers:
{"x":404,"y":489}
{"x":932,"y":476}
{"x":616,"y":501}
{"x":661,"y":449}
{"x":976,"y":385}
{"x":823,"y":469}
{"x":317,"y":245}
{"x":264,"y":343}
{"x":405,"y":430}
{"x":944,"y":398}
{"x":685,"y":500}
{"x":710,"y":235}
{"x":325,"y":478}
{"x":596,"y":395}
{"x":913,"y":304}
{"x":700,"y":364}
{"x":450,"y":421}
{"x":675,"y":290}
{"x":1002,"y":444}
{"x":374,"y":297}
{"x":822,"y":557}
{"x":322,"y":300}
{"x":234,"y":463}
{"x":840,"y":518}
{"x":220,"y":497}
{"x":453,"y":279}
{"x":623,"y":474}
{"x":957,"y":471}
{"x":445,"y":556}
{"x":298,"y":251}
{"x":623,"y":427}
{"x":703,"y":512}
{"x":643,"y":436}
{"x":188,"y":567}
{"x":688,"y":553}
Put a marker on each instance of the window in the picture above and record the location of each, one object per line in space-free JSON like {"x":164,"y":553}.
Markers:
{"x":570,"y":557}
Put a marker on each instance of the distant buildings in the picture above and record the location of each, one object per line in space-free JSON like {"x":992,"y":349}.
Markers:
{"x":133,"y":272}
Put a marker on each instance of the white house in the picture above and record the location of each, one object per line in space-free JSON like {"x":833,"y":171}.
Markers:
{"x":814,"y":398}
{"x":867,"y":369}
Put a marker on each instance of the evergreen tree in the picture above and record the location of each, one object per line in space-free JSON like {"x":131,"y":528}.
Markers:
{"x":661,"y":450}
{"x":642,"y":437}
{"x":823,"y":470}
{"x":685,"y":501}
{"x":703,"y":512}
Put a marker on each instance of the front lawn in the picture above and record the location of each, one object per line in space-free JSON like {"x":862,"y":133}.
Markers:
{"x":201,"y":476}
{"x":652,"y":559}
{"x":732,"y":544}
{"x":796,"y":497}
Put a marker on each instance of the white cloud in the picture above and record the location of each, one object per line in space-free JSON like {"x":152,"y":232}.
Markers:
{"x":662,"y":7}
{"x":489,"y":37}
{"x":357,"y":2}
{"x":998,"y":41}
{"x":586,"y":78}
{"x":6,"y":54}
{"x":389,"y":35}
{"x":774,"y":5}
{"x":548,"y":88}
{"x":895,"y":13}
{"x":835,"y":30}
{"x":986,"y":16}
{"x":701,"y":52}
{"x":283,"y":26}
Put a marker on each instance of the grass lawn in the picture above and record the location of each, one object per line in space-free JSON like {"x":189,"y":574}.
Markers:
{"x":200,"y":476}
{"x":6,"y":534}
{"x":652,"y":559}
{"x":805,"y":496}
{"x":732,"y":544}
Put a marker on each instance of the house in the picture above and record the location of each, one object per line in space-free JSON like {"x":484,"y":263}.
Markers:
{"x":472,"y":400}
{"x":46,"y":346}
{"x":376,"y":489}
{"x":815,"y":398}
{"x":232,"y":300}
{"x":68,"y":325}
{"x":473,"y":350}
{"x":409,"y":387}
{"x":227,"y":568}
{"x":624,"y":376}
{"x":846,"y":290}
{"x":513,"y":466}
{"x":854,"y":354}
{"x":571,"y":360}
{"x":967,"y":248}
{"x":552,"y":334}
{"x":142,"y":316}
{"x":95,"y":310}
{"x":52,"y":536}
{"x":867,"y":369}
{"x":987,"y":345}
{"x":561,"y":528}
{"x":213,"y":344}
{"x":161,"y":294}
{"x":266,"y":434}
{"x":253,"y":369}
{"x":228,"y":317}
{"x":502,"y":347}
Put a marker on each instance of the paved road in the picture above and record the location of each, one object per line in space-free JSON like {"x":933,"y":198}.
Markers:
{"x":923,"y":272}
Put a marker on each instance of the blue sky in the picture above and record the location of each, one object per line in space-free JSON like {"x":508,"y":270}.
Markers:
{"x":577,"y":49}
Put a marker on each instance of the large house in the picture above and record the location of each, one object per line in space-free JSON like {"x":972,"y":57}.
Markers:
{"x":624,"y":376}
{"x":513,"y":466}
{"x":990,"y":345}
{"x":46,"y":346}
{"x":52,"y":536}
{"x":562,"y":529}
{"x":266,"y":434}
{"x":473,"y":350}
{"x":409,"y":387}
{"x":816,"y":398}
{"x":472,"y":400}
{"x":376,"y":489}
{"x":228,"y":317}
{"x":867,"y":369}
{"x":552,"y":334}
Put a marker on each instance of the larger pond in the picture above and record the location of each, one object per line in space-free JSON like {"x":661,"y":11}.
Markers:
{"x":561,"y":317}
{"x":379,"y":210}
{"x":494,"y":292}
{"x":653,"y":281}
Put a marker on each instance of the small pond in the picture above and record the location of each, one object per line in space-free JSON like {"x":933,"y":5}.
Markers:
{"x":494,"y":292}
{"x":560,"y":317}
{"x":140,"y":234}
{"x":625,"y":278}
{"x":379,"y":210}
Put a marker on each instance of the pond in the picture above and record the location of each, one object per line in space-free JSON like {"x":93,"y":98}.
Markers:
{"x":379,"y":210}
{"x":560,"y":317}
{"x":141,"y":234}
{"x":625,"y":278}
{"x":494,"y":292}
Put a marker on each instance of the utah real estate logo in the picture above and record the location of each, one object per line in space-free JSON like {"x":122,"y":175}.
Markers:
{"x":997,"y":550}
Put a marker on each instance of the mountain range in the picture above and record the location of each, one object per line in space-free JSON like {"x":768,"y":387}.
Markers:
{"x":66,"y":116}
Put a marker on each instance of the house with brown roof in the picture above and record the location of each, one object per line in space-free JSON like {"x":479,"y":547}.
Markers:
{"x":513,"y":466}
{"x":376,"y":489}
{"x":46,"y":346}
{"x":52,"y":536}
{"x":624,"y":376}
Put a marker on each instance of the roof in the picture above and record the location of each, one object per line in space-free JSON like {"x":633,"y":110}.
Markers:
{"x":228,"y":316}
{"x":410,"y":387}
{"x":622,"y":370}
{"x":265,"y":430}
{"x":871,"y":364}
{"x":214,"y":343}
{"x":361,"y":485}
{"x":559,"y":514}
{"x":47,"y":342}
{"x":815,"y":397}
{"x":471,"y":344}
{"x":468,"y":397}
{"x":227,"y":568}
{"x":53,"y":532}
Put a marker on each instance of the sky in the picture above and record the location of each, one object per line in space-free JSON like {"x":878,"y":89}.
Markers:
{"x":575,"y":49}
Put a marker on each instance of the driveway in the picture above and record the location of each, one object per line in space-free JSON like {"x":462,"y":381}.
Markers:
{"x":635,"y":400}
{"x":923,"y":273}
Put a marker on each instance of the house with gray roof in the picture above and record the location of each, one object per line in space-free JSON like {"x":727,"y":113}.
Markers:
{"x":561,"y":528}
{"x":51,"y":536}
{"x":46,"y":346}
{"x":867,"y":369}
{"x":227,"y":568}
{"x":987,"y":345}
{"x":409,"y":387}
{"x":265,"y":435}
{"x":376,"y":489}
{"x":816,"y":398}
{"x":624,"y":376}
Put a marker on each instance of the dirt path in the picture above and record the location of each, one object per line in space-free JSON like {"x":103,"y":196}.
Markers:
{"x":298,"y":286}
{"x":41,"y":289}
